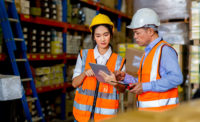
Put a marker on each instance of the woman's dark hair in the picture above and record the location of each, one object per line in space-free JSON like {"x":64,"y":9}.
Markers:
{"x":109,"y":27}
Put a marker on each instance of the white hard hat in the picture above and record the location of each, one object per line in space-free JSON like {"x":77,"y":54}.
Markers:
{"x":144,"y":17}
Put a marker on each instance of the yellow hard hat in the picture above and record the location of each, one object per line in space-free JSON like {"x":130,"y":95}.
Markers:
{"x":101,"y":19}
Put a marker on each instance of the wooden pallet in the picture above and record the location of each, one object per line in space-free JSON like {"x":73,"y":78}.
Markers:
{"x":185,"y":20}
{"x":195,"y":42}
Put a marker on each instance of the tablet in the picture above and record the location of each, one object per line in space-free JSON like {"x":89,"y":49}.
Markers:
{"x":96,"y":68}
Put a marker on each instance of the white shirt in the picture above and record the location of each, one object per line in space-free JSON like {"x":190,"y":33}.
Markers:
{"x":101,"y":59}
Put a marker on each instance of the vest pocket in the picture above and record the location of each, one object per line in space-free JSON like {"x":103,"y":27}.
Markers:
{"x":89,"y":83}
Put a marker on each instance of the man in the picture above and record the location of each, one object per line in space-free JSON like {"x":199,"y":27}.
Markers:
{"x":159,"y":73}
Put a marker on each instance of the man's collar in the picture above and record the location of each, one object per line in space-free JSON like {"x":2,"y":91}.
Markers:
{"x":153,"y":43}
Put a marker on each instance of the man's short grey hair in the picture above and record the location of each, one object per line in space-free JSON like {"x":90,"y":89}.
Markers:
{"x":151,"y":26}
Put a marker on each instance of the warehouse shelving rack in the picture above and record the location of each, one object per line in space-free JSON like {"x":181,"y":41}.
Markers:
{"x":64,"y":57}
{"x":50,"y":88}
{"x":17,"y":53}
{"x":102,"y":7}
{"x":2,"y":57}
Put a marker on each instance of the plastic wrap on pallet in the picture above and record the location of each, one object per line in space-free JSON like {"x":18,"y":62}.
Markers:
{"x":166,"y":9}
{"x":174,"y":33}
{"x":10,"y":87}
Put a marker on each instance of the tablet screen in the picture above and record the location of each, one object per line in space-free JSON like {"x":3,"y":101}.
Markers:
{"x":96,"y":68}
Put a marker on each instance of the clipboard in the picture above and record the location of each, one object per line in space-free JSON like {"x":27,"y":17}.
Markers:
{"x":96,"y":68}
{"x":125,"y":84}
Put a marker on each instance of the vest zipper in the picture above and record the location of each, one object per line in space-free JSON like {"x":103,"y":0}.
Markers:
{"x":95,"y":100}
{"x":96,"y":95}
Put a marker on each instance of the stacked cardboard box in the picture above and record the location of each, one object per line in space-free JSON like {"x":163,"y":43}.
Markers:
{"x":119,"y":37}
{"x":133,"y":58}
{"x":179,"y":50}
{"x":194,"y":61}
{"x":122,"y":47}
{"x":23,"y":6}
{"x":129,"y":7}
{"x":109,"y":3}
{"x":57,"y":42}
{"x":195,"y":26}
{"x":182,"y":63}
{"x":49,"y":75}
{"x":73,"y":44}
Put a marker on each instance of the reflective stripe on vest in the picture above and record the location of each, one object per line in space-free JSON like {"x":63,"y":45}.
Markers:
{"x":158,"y":103}
{"x":100,"y":94}
{"x":97,"y":110}
{"x":118,"y":63}
{"x":82,"y":107}
{"x":108,"y":96}
{"x":117,"y":67}
{"x":158,"y":100}
{"x":155,"y":63}
{"x":114,"y":95}
{"x":105,"y":111}
{"x":84,"y":56}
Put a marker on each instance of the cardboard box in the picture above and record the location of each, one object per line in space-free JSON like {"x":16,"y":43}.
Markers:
{"x":42,"y":71}
{"x":108,"y":3}
{"x":194,"y":77}
{"x":179,"y":50}
{"x":25,"y":3}
{"x":25,"y":10}
{"x":35,"y":11}
{"x":133,"y":58}
{"x":129,"y":7}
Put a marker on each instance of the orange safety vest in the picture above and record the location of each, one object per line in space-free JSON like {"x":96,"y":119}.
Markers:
{"x":149,"y":71}
{"x":106,"y":103}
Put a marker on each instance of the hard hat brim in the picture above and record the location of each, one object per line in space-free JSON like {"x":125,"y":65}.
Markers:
{"x":131,"y":27}
{"x":111,"y":24}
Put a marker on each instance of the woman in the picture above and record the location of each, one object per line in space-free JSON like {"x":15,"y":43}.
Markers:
{"x":96,"y":100}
